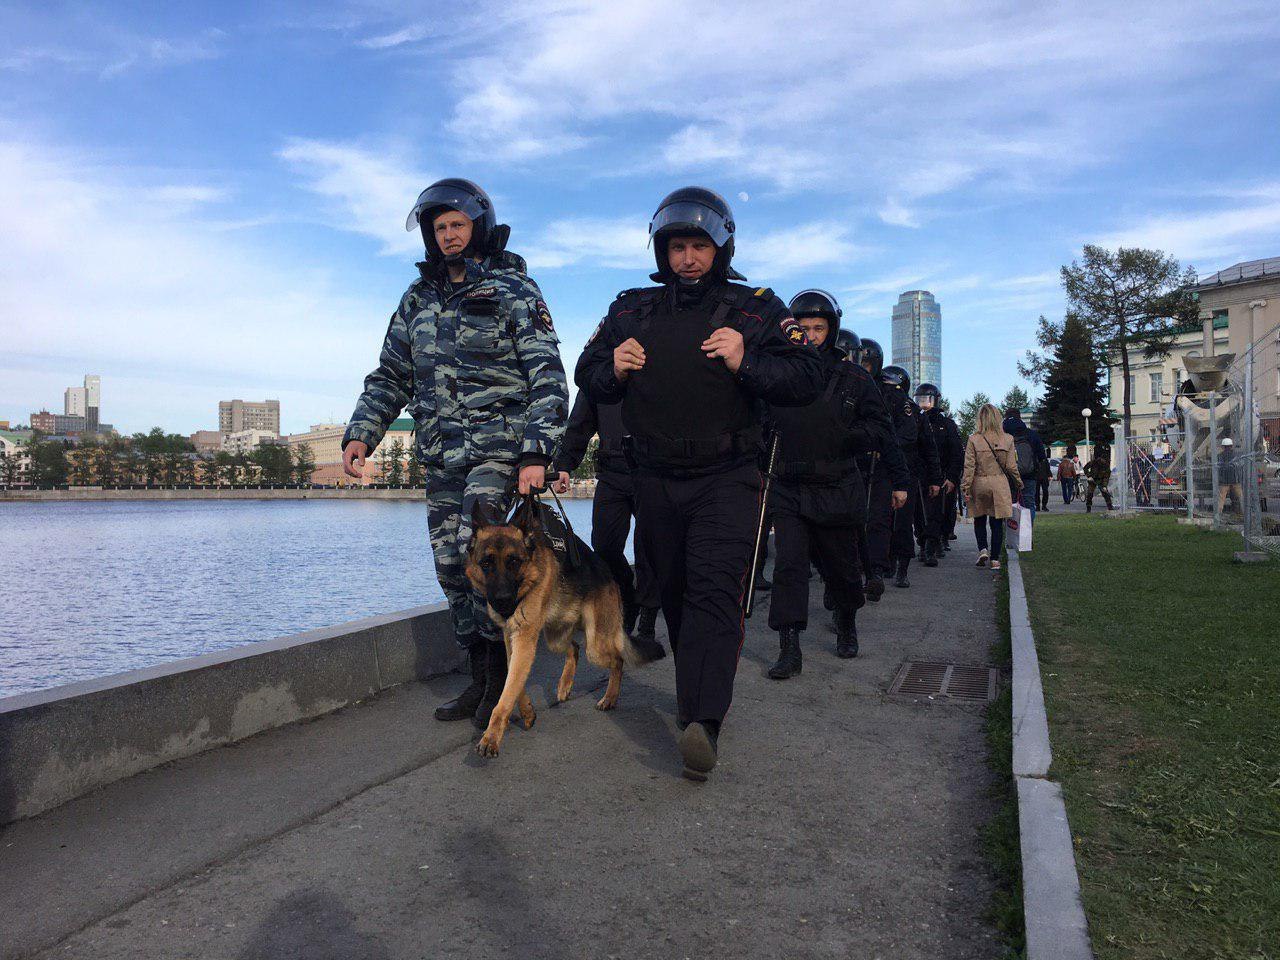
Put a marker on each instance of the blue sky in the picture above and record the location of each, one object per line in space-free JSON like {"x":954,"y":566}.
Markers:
{"x":201,"y":202}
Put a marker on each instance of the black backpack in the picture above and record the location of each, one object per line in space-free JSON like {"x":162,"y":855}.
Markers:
{"x":1026,"y":455}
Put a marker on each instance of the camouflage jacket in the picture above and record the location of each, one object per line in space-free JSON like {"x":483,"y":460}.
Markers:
{"x":477,"y":364}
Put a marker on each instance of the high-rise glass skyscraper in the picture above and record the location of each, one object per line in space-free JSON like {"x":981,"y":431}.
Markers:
{"x":917,"y":337}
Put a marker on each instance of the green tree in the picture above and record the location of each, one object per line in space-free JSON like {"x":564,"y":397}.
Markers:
{"x":223,"y":468}
{"x":1129,"y":300}
{"x":81,"y":466}
{"x":587,"y":468}
{"x":1072,"y":372}
{"x":415,"y":475}
{"x":48,"y":462}
{"x":10,"y":468}
{"x":273,"y":463}
{"x":1016,"y":398}
{"x":304,"y":463}
{"x":392,"y":463}
{"x":967,"y":415}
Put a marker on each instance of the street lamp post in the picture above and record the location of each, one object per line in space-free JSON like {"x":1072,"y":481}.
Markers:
{"x":1087,"y":413}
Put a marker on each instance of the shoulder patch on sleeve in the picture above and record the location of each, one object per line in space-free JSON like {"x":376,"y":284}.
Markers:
{"x":544,"y":316}
{"x":793,"y":331}
{"x":596,"y":333}
{"x":763,"y":293}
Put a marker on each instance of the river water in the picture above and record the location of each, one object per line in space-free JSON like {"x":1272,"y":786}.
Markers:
{"x":90,"y":589}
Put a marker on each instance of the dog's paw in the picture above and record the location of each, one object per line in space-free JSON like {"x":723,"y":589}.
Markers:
{"x":527,"y":720}
{"x":563,"y":692}
{"x":606,"y":702}
{"x":488,"y":746}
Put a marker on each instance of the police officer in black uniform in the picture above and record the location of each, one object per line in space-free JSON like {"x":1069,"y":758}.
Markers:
{"x":612,"y":508}
{"x":818,"y":498}
{"x":931,"y":511}
{"x":688,"y":358}
{"x":880,"y":493}
{"x":922,"y":459}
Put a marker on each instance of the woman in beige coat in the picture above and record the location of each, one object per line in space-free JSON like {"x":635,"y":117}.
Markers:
{"x":990,"y":466}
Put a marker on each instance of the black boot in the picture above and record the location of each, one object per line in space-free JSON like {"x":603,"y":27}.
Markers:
{"x":645,"y":639}
{"x":874,"y":588}
{"x":630,"y":611}
{"x":789,"y":660}
{"x":463,"y":706}
{"x":846,"y":634}
{"x":929,"y":554}
{"x":900,"y":578}
{"x":495,"y":680}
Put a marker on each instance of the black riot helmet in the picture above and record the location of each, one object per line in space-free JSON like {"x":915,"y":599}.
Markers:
{"x":693,"y":210}
{"x":928,"y":390}
{"x":872,"y":356}
{"x":454,"y":193}
{"x":819,"y":303}
{"x":896,"y":377}
{"x":848,"y":344}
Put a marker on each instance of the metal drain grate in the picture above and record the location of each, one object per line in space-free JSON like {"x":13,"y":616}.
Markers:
{"x":949,"y":680}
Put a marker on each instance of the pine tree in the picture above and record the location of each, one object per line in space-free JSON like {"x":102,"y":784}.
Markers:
{"x":1071,"y":369}
{"x":967,"y":415}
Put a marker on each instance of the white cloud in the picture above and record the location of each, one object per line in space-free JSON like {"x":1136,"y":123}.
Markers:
{"x":1240,"y":231}
{"x":795,"y":250}
{"x":595,"y":242}
{"x":410,"y":34}
{"x":97,"y":276}
{"x":367,"y":192}
{"x":896,"y":215}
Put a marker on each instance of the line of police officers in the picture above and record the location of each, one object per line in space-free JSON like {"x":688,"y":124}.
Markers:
{"x":686,"y":383}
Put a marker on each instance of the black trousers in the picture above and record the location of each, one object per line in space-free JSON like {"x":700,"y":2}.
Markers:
{"x":699,"y":534}
{"x":929,"y":515}
{"x":798,"y":541}
{"x":949,"y":513}
{"x":611,"y":513}
{"x":889,"y":531}
{"x":1042,"y":492}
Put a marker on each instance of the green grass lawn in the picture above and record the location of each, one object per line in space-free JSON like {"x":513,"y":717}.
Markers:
{"x":1161,"y":667}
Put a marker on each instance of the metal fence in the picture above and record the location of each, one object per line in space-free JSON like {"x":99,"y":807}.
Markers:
{"x":1211,"y":462}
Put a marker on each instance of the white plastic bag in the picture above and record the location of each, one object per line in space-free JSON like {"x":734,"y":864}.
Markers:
{"x":1024,"y":527}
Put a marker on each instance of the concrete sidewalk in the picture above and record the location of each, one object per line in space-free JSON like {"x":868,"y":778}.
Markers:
{"x":841,"y":822}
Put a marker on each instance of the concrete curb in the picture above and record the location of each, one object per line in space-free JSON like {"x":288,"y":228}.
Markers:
{"x":61,"y":743}
{"x":1055,"y":920}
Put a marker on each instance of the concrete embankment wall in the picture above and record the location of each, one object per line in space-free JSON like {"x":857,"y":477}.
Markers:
{"x":61,"y":743}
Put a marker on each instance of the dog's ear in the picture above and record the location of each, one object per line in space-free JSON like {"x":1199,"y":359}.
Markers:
{"x":481,"y":515}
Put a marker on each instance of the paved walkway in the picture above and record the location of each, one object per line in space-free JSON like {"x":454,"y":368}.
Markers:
{"x":841,"y":822}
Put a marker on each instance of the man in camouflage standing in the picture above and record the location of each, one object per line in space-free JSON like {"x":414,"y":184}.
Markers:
{"x":1098,"y":472}
{"x":472,"y":353}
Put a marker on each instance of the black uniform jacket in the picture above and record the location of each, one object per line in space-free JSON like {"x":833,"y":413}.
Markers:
{"x":682,"y":396}
{"x":586,"y":420}
{"x":914,"y":436}
{"x":946,"y":437}
{"x":817,"y":475}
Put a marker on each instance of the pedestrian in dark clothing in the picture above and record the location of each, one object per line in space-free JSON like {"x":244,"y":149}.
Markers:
{"x":611,"y":511}
{"x":931,"y":511}
{"x":1044,"y":474}
{"x":690,"y":359}
{"x":1030,"y":451}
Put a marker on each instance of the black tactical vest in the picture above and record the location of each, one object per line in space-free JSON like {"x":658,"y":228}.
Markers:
{"x":609,"y":454}
{"x":813,"y":443}
{"x":685,"y":410}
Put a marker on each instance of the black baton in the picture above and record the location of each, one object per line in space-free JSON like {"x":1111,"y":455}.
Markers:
{"x":764,"y":498}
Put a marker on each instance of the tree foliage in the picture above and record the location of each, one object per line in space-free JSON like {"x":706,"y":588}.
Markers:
{"x":1072,"y":370}
{"x":967,"y":415}
{"x":304,"y":463}
{"x":1130,"y":300}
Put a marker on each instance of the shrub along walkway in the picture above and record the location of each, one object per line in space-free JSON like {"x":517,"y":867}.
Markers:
{"x":841,"y":822}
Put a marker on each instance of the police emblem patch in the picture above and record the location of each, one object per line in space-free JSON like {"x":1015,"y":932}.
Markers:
{"x":794,"y":332}
{"x":483,"y":292}
{"x":544,"y":315}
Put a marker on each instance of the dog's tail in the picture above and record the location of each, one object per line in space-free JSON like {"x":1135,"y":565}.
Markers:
{"x":630,"y":655}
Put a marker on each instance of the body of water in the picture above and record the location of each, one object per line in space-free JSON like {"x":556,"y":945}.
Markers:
{"x":90,"y":589}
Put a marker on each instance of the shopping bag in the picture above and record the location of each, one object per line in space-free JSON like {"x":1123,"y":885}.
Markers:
{"x":1024,"y":528}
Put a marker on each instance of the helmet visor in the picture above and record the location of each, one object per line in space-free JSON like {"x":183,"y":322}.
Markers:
{"x":689,"y":215}
{"x":445,"y":195}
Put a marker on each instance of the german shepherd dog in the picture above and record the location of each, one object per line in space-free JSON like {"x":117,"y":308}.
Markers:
{"x":528,"y":590}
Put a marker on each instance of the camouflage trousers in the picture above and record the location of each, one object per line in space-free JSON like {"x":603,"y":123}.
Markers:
{"x":451,"y":495}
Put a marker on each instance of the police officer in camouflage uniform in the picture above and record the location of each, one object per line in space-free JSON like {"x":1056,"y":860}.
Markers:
{"x":471,"y":352}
